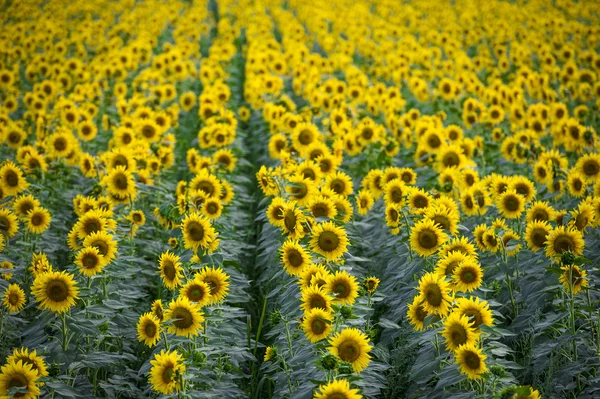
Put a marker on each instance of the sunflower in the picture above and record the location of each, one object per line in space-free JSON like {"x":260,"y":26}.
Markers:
{"x":561,"y":239}
{"x":5,"y":264}
{"x":317,"y":324}
{"x":340,"y":183}
{"x":38,"y":220}
{"x":275,"y":211}
{"x":395,"y":192}
{"x":158,"y":310}
{"x":196,"y":291}
{"x":416,"y":314}
{"x":197,"y":232}
{"x":540,"y":211}
{"x":303,"y":135}
{"x":352,"y":346}
{"x":212,"y":208}
{"x":312,"y":270}
{"x":55,"y":291}
{"x":170,"y":270}
{"x":36,"y":362}
{"x":19,"y":375}
{"x":216,"y":279}
{"x":343,"y":286}
{"x":90,"y":261}
{"x":443,"y":217}
{"x":470,"y":360}
{"x":573,"y":278}
{"x":300,"y":189}
{"x":426,"y":237}
{"x":523,"y":186}
{"x":107,"y":246}
{"x":14,"y":298}
{"x":576,"y":183}
{"x":434,"y":294}
{"x":137,"y":217}
{"x":266,"y":181}
{"x":510,"y":204}
{"x":364,"y":202}
{"x":536,"y":234}
{"x":458,"y":330}
{"x":589,"y":166}
{"x":12,"y":181}
{"x":24,"y":204}
{"x":329,"y":240}
{"x":148,"y":328}
{"x":583,"y":216}
{"x":167,"y":371}
{"x":9,"y":225}
{"x":186,"y":318}
{"x":315,"y":297}
{"x":477,"y":311}
{"x":321,"y":206}
{"x":418,"y":200}
{"x":450,"y":261}
{"x":294,"y":257}
{"x":337,"y":389}
{"x":371,"y":284}
{"x":467,"y":276}
{"x":270,"y":353}
{"x":120,"y":182}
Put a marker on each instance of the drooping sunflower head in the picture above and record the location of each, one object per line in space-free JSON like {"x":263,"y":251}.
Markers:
{"x":55,"y":291}
{"x":352,"y":346}
{"x":371,"y":284}
{"x":218,"y":282}
{"x":573,"y":279}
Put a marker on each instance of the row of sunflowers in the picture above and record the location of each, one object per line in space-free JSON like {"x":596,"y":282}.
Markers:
{"x":299,"y":200}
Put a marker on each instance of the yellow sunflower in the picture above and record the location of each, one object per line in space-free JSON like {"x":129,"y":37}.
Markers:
{"x":560,"y":239}
{"x":186,"y":318}
{"x":540,"y":211}
{"x":276,"y":210}
{"x":322,"y":207}
{"x":301,"y":189}
{"x":337,"y":389}
{"x":352,"y":346}
{"x":340,"y":183}
{"x":315,"y":297}
{"x":24,"y":204}
{"x":510,"y":204}
{"x":343,"y":286}
{"x":55,"y":291}
{"x":295,"y":257}
{"x":416,"y":314}
{"x":9,"y":225}
{"x":197,"y":232}
{"x":448,"y":263}
{"x":478,"y":311}
{"x":12,"y":181}
{"x":148,"y":329}
{"x":317,"y":324}
{"x":468,"y":276}
{"x":364,"y":202}
{"x":167,"y":371}
{"x":170,"y":270}
{"x":371,"y":284}
{"x":104,"y":242}
{"x":120,"y":182}
{"x":36,"y":362}
{"x":426,"y":237}
{"x":218,"y":282}
{"x":329,"y":240}
{"x":573,"y":278}
{"x":471,"y":361}
{"x":536,"y":234}
{"x":196,"y":291}
{"x":19,"y":375}
{"x":158,"y":310}
{"x":458,"y":330}
{"x":14,"y":298}
{"x":90,"y":261}
{"x":434,"y":294}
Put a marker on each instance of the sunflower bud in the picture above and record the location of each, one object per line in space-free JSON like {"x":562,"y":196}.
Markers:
{"x":329,"y":362}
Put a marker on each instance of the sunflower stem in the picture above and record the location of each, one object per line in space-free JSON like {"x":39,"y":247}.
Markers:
{"x":512,"y":297}
{"x":260,"y":324}
{"x":288,"y":337}
{"x":65,"y":342}
{"x":166,"y":340}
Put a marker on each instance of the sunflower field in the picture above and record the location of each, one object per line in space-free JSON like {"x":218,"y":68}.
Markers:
{"x":297,"y":199}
